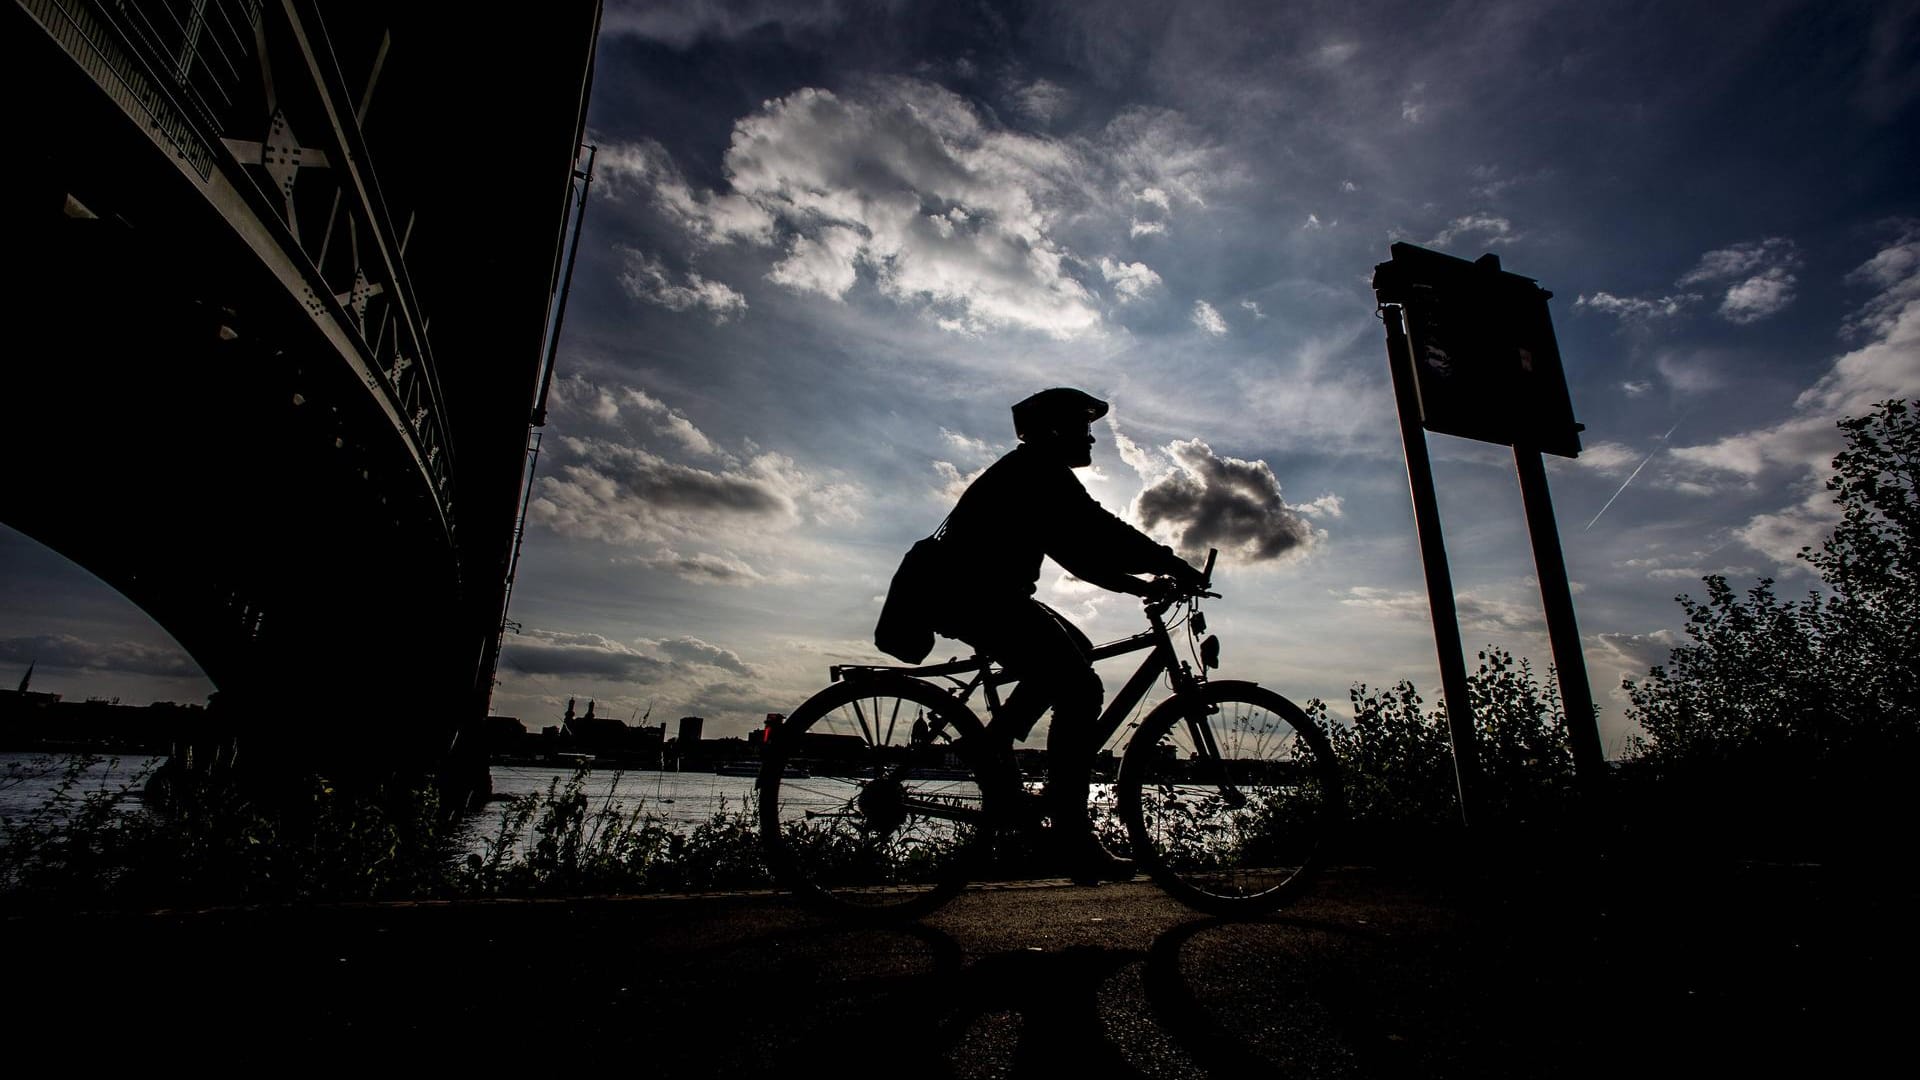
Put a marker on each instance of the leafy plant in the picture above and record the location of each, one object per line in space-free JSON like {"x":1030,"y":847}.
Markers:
{"x":1794,"y":724}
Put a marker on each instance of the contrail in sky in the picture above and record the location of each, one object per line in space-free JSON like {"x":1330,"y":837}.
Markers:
{"x":1635,"y":472}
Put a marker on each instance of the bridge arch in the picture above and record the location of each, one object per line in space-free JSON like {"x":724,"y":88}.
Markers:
{"x":274,"y":368}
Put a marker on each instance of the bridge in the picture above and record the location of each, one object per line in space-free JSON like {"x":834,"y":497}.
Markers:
{"x":283,"y":272}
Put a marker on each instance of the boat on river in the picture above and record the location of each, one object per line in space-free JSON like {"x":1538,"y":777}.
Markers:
{"x":752,"y":768}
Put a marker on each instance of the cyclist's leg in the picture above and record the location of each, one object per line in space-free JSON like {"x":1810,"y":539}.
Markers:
{"x":1052,"y":665}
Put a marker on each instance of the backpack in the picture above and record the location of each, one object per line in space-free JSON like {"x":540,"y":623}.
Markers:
{"x":905,"y":629}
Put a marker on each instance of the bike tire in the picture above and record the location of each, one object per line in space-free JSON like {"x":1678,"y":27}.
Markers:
{"x":1210,"y":850}
{"x":877,"y":828}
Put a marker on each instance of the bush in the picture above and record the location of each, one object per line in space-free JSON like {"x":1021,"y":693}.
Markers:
{"x":1790,"y":728}
{"x":578,"y":849}
{"x":1397,"y":758}
{"x":209,"y":838}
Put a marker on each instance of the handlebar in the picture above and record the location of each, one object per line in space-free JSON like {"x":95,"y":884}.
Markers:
{"x":1171,"y":591}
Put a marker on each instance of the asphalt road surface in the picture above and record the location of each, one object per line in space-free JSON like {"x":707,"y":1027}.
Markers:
{"x":1758,"y":971}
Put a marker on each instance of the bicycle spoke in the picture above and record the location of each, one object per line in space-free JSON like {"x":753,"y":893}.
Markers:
{"x":877,"y":826}
{"x":1231,"y":816}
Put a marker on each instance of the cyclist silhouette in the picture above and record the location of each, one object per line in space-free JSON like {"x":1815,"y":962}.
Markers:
{"x":1026,"y":505}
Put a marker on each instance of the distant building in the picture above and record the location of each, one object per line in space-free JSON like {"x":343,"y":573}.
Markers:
{"x":505,"y":734}
{"x":690,"y":730}
{"x":593,"y":734}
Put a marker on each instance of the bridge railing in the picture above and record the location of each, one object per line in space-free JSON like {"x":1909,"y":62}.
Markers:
{"x":249,"y":99}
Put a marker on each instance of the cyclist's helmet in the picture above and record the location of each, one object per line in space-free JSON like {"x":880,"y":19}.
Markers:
{"x":1058,"y":409}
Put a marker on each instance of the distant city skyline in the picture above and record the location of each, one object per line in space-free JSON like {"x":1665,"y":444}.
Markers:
{"x":829,"y":244}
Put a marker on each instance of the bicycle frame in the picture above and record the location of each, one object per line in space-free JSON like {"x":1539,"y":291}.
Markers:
{"x":988,"y":678}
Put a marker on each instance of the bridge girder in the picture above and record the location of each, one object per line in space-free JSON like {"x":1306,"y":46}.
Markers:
{"x":234,"y":405}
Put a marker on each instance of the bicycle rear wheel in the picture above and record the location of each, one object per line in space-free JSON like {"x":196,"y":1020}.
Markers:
{"x":866,"y":806}
{"x":1235,"y":819}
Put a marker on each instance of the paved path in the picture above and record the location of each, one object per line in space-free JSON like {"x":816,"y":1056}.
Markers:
{"x":1755,"y":973}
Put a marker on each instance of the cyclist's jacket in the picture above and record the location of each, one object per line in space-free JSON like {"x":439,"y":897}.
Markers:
{"x":1023,"y":507}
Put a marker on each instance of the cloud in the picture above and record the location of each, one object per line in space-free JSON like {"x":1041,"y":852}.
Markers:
{"x":706,"y":568}
{"x":691,"y":650}
{"x":1484,"y":617}
{"x":592,"y":656}
{"x":1608,"y":458}
{"x":1631,"y":308}
{"x":1149,"y":465}
{"x":1130,"y":281}
{"x":629,"y":496}
{"x":574,"y":399}
{"x":1755,"y":279}
{"x":1141,"y":228}
{"x":645,"y":277}
{"x":1696,"y":372}
{"x":551,"y":652}
{"x":646,"y":168}
{"x":953,"y":481}
{"x":1758,"y":277}
{"x":670,"y":423}
{"x":1253,"y":306}
{"x":1695,"y":573}
{"x":1207,"y":501}
{"x":911,"y":185}
{"x":1042,"y":100}
{"x":1801,"y":446}
{"x":1612,"y":657}
{"x":1328,"y":505}
{"x":1635,"y":387}
{"x":1312,"y":222}
{"x":1206,"y":318}
{"x":1895,"y":271}
{"x":683,"y":25}
{"x":826,"y":263}
{"x":66,"y":651}
{"x":1492,"y":185}
{"x":969,"y":447}
{"x":1492,"y":228}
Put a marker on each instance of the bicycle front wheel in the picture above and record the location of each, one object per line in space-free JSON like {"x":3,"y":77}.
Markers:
{"x":1230,"y":805}
{"x":866,"y":806}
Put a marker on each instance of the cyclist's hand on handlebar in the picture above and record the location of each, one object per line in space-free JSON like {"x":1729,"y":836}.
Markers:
{"x":1168,"y":588}
{"x":1161,"y":591}
{"x":1188,"y":579}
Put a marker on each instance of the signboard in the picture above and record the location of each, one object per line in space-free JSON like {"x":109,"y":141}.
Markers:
{"x":1486,"y":364}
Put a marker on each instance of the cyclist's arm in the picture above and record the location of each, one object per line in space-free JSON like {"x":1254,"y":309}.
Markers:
{"x":1110,"y":580}
{"x":1099,"y":548}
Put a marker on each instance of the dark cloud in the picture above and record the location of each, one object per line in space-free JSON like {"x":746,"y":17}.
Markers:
{"x":707,"y":569}
{"x":542,"y":652}
{"x":66,"y":651}
{"x":1225,"y":503}
{"x":670,"y":486}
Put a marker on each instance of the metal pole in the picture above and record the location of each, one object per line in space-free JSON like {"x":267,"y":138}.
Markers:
{"x":1583,"y":730}
{"x":1433,"y":555}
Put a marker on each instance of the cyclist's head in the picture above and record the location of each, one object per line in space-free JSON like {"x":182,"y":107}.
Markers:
{"x":1060,"y":420}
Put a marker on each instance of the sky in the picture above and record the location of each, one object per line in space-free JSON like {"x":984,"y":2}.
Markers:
{"x":828,"y":244}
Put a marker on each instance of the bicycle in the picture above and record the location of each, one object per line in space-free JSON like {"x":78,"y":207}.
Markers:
{"x":883,"y":795}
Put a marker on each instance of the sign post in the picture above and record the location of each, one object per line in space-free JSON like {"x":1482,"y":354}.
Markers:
{"x":1474,"y":355}
{"x":1433,"y":558}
